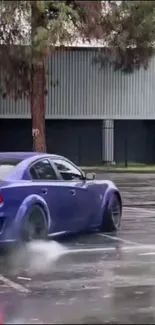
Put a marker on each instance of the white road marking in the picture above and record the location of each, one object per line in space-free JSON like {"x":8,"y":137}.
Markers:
{"x":57,"y":234}
{"x":147,"y":254}
{"x":121,"y":239}
{"x":128,"y":209}
{"x":90,"y":250}
{"x":23,"y":278}
{"x":138,"y":248}
{"x":126,"y":249}
{"x":13,"y":285}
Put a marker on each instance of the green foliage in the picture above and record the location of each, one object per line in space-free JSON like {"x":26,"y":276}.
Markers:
{"x":132,"y":29}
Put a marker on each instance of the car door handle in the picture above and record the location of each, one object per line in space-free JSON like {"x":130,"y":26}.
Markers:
{"x":44,"y":191}
{"x":73,"y":192}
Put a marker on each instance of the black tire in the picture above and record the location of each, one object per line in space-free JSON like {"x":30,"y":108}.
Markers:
{"x":112,"y":217}
{"x":35,"y":225}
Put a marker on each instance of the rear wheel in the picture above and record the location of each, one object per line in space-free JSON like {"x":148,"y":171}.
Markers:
{"x":112,"y":217}
{"x":35,"y":225}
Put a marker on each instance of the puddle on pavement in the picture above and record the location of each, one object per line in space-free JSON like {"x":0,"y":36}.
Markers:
{"x":127,"y":305}
{"x":111,"y":292}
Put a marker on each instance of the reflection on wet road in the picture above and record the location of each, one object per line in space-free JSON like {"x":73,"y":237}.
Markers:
{"x":137,"y":189}
{"x":97,"y":278}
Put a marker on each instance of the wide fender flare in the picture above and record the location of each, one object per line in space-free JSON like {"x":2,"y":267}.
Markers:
{"x":106,"y":198}
{"x":27,"y":204}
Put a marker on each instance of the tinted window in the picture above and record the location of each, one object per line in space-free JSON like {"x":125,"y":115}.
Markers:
{"x":6,"y":166}
{"x":43,"y":170}
{"x":66,"y":169}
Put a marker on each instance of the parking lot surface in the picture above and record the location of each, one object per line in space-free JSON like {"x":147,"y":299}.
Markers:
{"x":93,"y":278}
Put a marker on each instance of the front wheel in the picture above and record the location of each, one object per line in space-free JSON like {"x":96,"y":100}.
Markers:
{"x":112,"y":217}
{"x":35,"y":225}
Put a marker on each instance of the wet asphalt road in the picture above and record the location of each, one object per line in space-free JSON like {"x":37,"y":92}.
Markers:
{"x":102,"y":278}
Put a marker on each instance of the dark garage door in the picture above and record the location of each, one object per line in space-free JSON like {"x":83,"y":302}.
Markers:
{"x":135,"y":141}
{"x":78,"y":140}
{"x":15,"y":135}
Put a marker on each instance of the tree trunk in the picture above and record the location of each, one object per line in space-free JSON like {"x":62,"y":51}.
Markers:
{"x":38,"y":107}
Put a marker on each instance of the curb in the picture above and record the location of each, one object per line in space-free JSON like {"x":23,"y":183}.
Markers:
{"x":116,"y":171}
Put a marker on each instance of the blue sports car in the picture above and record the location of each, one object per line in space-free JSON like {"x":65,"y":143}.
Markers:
{"x":44,"y":195}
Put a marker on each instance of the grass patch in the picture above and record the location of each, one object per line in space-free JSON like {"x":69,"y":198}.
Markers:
{"x":139,"y":168}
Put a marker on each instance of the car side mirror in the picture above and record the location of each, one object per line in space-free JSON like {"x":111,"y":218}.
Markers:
{"x":90,"y":176}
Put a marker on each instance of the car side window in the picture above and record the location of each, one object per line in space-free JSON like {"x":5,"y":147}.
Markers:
{"x":66,"y":169}
{"x":43,"y":170}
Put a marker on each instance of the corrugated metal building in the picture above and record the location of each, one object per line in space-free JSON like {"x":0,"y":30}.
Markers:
{"x":93,"y":113}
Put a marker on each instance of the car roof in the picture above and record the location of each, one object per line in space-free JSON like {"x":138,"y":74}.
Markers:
{"x":25,"y":155}
{"x":23,"y":159}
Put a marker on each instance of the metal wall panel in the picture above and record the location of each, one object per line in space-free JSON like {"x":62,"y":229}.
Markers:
{"x":78,"y":88}
{"x":9,"y":107}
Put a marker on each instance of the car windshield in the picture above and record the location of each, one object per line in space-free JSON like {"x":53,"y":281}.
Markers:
{"x":6,"y":167}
